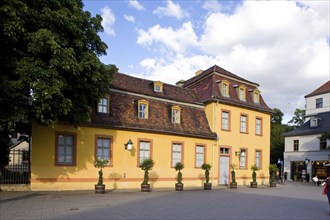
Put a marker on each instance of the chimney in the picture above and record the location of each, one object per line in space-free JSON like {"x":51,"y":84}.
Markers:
{"x":198,"y":72}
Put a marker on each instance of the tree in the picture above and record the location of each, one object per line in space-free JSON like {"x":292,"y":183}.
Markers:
{"x":49,"y":63}
{"x":276,"y":135}
{"x":277,"y":117}
{"x":298,"y":118}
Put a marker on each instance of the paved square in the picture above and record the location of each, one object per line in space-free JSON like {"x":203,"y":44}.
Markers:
{"x":289,"y":201}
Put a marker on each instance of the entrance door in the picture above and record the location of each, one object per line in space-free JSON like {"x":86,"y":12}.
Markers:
{"x":224,"y":171}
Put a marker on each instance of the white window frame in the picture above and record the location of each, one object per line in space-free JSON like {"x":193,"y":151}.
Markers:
{"x":200,"y":155}
{"x":242,"y":159}
{"x":258,"y":126}
{"x":243,"y":123}
{"x":103,"y":106}
{"x":258,"y":159}
{"x":225,"y":120}
{"x":144,"y":150}
{"x":65,"y":150}
{"x":103,"y":148}
{"x":176,"y":153}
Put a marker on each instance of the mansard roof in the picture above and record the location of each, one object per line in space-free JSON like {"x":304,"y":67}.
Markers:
{"x":126,"y":91}
{"x":325,"y":88}
{"x":305,"y":129}
{"x":206,"y":86}
{"x":145,"y":87}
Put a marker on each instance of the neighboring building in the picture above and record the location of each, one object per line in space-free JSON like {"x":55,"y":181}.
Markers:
{"x":166,"y":123}
{"x":318,"y":101}
{"x":305,"y":151}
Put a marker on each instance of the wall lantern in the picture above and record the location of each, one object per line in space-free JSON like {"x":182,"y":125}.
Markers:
{"x":129,"y":145}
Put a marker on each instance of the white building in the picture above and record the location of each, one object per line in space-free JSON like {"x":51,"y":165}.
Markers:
{"x":304,"y":150}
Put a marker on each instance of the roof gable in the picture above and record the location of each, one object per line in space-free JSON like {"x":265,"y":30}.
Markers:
{"x":325,"y":88}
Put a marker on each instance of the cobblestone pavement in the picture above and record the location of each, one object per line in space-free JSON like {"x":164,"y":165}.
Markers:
{"x":289,"y":201}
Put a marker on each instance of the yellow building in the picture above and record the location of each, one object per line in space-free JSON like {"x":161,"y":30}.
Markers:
{"x":238,"y":114}
{"x":166,"y":123}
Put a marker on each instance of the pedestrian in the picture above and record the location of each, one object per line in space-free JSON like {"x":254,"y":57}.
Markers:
{"x":326,"y":190}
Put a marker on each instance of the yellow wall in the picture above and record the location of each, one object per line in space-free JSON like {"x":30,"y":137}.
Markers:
{"x":124,"y":173}
{"x":236,"y":140}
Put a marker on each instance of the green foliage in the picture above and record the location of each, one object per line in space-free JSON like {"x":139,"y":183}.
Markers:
{"x":146,"y":165}
{"x":49,"y":62}
{"x":254,"y":168}
{"x":207,"y":168}
{"x":298,"y":118}
{"x":100,"y":163}
{"x":272,"y":170}
{"x":178,"y":167}
{"x":5,"y":143}
{"x":233,"y":167}
{"x":277,"y":116}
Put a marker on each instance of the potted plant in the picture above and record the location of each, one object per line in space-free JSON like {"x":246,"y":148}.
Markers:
{"x":207,"y":184}
{"x":146,"y":165}
{"x":272,"y":170}
{"x":100,"y":163}
{"x":233,"y":183}
{"x":254,"y":183}
{"x":179,"y":185}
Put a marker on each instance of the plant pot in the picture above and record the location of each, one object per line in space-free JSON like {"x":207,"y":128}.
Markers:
{"x":253,"y":184}
{"x":233,"y":185}
{"x":272,"y":184}
{"x":100,"y":188}
{"x":145,"y":187}
{"x":207,"y":186}
{"x":179,"y":187}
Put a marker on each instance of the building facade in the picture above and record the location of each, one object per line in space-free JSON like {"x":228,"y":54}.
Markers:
{"x":305,"y":151}
{"x":166,"y":123}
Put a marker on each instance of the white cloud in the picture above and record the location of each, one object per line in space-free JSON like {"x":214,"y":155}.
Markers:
{"x":177,"y":40}
{"x":171,"y":10}
{"x":281,"y":45}
{"x":108,"y":21}
{"x":129,"y":18}
{"x":213,"y":6}
{"x":135,"y":4}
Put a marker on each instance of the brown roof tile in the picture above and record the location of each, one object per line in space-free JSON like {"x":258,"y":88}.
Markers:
{"x":207,"y":89}
{"x":325,"y":88}
{"x":124,"y":109}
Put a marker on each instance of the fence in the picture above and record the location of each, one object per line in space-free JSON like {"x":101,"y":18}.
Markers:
{"x":18,"y":169}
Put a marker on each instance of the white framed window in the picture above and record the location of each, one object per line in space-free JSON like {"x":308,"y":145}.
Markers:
{"x":313,"y":122}
{"x":225,"y":120}
{"x":143,"y":106}
{"x":243,"y":124}
{"x":176,"y":153}
{"x":200,"y":155}
{"x":242,"y":159}
{"x":103,"y":106}
{"x":256,"y":97}
{"x":258,"y":126}
{"x":144,"y":150}
{"x":241,"y":93}
{"x":176,"y":112}
{"x":258,"y":159}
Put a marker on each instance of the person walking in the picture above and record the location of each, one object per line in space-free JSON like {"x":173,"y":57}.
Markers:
{"x":326,"y":190}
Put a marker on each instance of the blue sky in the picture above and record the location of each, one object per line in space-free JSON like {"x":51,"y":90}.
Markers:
{"x":281,"y":45}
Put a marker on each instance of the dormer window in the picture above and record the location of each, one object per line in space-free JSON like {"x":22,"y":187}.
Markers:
{"x":176,"y":112}
{"x":313,"y":122}
{"x":103,"y":106}
{"x":143,"y":106}
{"x":158,"y":86}
{"x":241,"y":93}
{"x":256,"y":96}
{"x":224,"y":88}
